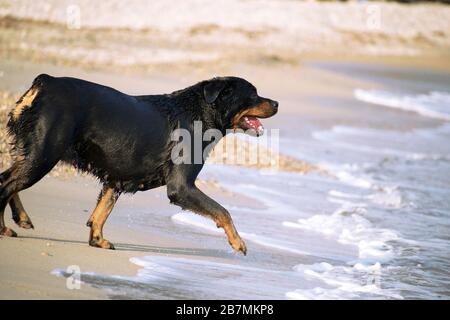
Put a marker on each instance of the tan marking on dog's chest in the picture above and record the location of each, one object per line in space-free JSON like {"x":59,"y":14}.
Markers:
{"x":24,"y":102}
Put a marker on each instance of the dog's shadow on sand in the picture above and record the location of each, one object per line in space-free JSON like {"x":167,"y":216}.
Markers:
{"x":147,"y":248}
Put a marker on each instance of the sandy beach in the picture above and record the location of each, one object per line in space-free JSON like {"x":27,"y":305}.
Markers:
{"x":59,"y":241}
{"x":328,"y":224}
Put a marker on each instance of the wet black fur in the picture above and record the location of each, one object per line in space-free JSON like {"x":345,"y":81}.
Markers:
{"x":121,"y":139}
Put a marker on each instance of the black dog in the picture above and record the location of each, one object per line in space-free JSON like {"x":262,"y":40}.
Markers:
{"x":125,"y":141}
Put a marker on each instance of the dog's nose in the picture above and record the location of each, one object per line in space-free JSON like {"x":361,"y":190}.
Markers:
{"x":274,"y":104}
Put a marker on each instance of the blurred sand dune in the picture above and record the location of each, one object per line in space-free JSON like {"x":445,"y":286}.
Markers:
{"x":143,"y":33}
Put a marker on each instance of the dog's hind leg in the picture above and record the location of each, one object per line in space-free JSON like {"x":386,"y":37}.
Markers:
{"x":106,"y":201}
{"x":25,"y":173}
{"x":4,"y":231}
{"x":19,"y":214}
{"x":22,"y":177}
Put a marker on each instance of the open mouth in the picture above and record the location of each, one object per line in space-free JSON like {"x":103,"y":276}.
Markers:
{"x":248,"y":119}
{"x":251,"y":124}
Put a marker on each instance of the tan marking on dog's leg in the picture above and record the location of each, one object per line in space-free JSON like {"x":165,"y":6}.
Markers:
{"x":19,"y":214}
{"x":98,"y":218}
{"x":4,"y":230}
{"x":233,"y":236}
{"x":24,"y":102}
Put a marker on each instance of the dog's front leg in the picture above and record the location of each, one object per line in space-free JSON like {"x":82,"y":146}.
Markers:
{"x":189,"y":197}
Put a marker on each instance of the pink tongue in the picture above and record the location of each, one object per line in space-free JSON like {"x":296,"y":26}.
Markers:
{"x":254,"y":122}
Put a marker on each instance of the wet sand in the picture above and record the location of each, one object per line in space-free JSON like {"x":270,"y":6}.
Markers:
{"x":59,"y":209}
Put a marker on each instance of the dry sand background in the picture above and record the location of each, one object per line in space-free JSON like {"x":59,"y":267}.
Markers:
{"x":141,"y":35}
{"x":148,"y":47}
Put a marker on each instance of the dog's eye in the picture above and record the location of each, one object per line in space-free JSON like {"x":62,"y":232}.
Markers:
{"x":227,"y":92}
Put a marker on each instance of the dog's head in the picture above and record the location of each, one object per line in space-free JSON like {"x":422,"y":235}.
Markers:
{"x":237,"y":105}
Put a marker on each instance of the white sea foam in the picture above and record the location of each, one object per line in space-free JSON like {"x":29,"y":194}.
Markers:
{"x":388,"y":196}
{"x":380,"y":144}
{"x":348,"y":226}
{"x":344,"y":173}
{"x":179,"y":278}
{"x":269,"y":197}
{"x":434,"y":104}
{"x":353,"y":175}
{"x":343,"y":282}
{"x":192,"y":219}
{"x":340,"y":194}
{"x":189,"y":218}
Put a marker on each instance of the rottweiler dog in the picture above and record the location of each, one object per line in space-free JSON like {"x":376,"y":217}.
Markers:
{"x":123,"y":140}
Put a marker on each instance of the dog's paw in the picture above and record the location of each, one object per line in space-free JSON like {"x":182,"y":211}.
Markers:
{"x":7,"y":232}
{"x":25,"y":224}
{"x":239,"y":245}
{"x":22,"y":220}
{"x":101,"y":243}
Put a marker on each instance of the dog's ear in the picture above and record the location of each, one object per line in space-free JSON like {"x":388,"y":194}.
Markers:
{"x":212,"y":90}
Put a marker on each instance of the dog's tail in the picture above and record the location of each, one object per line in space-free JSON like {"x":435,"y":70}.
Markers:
{"x":22,"y":117}
{"x":25,"y":105}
